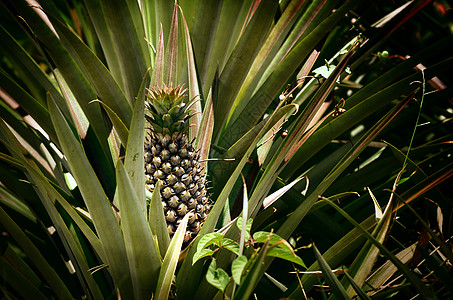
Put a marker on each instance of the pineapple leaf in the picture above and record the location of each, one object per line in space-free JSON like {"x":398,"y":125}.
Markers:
{"x":134,"y":162}
{"x":156,"y":220}
{"x":167,"y":271}
{"x":330,"y":277}
{"x":141,"y":248}
{"x":95,"y":199}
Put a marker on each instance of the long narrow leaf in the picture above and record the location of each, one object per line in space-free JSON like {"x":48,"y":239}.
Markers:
{"x":170,"y":261}
{"x":330,"y":277}
{"x":97,"y":202}
{"x":142,"y":253}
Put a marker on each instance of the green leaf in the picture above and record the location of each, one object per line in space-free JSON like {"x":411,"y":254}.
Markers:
{"x":203,"y":253}
{"x":230,"y":245}
{"x":330,"y":277}
{"x":377,"y":208}
{"x":46,"y":270}
{"x":425,"y":292}
{"x":142,"y":253}
{"x":217,"y":277}
{"x":167,"y":271}
{"x":98,"y":75}
{"x":286,"y":254}
{"x":262,"y":237}
{"x":361,"y":293}
{"x":237,"y":268}
{"x":235,"y":70}
{"x":96,"y":201}
{"x":127,"y":32}
{"x":134,"y":161}
{"x":247,"y":228}
{"x":209,"y":239}
{"x":157,"y":222}
{"x":194,"y":92}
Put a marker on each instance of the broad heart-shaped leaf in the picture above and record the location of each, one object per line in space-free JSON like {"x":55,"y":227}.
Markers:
{"x":286,"y":254}
{"x":209,"y":239}
{"x":330,"y":277}
{"x":203,"y":253}
{"x":217,"y":277}
{"x":237,"y":268}
{"x":96,"y":201}
{"x":156,"y":220}
{"x":168,"y":268}
{"x":262,"y":237}
{"x":206,"y":241}
{"x":230,"y":245}
{"x":142,"y":254}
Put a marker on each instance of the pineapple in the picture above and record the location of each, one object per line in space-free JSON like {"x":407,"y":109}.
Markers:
{"x":172,"y":159}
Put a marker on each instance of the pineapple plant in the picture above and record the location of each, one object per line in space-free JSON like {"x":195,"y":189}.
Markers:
{"x":171,"y":159}
{"x":113,"y":113}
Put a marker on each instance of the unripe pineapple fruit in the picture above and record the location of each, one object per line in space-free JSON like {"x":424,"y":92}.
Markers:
{"x":172,"y":159}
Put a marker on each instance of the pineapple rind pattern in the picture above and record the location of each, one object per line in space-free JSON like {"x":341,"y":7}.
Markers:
{"x":172,"y":159}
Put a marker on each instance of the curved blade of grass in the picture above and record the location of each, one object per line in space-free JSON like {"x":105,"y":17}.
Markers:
{"x":221,"y":170}
{"x":96,"y":201}
{"x":286,"y":229}
{"x":168,"y":268}
{"x":73,"y":75}
{"x":35,"y":78}
{"x":27,"y":102}
{"x":296,"y":136}
{"x":204,"y":18}
{"x":388,"y":269}
{"x":330,"y":277}
{"x":25,"y":275}
{"x":120,"y":127}
{"x":79,"y":119}
{"x":134,"y":161}
{"x":314,"y":13}
{"x":335,"y":255}
{"x":142,"y":253}
{"x":157,"y":222}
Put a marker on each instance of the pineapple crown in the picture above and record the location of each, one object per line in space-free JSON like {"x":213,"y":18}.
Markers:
{"x":168,"y":112}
